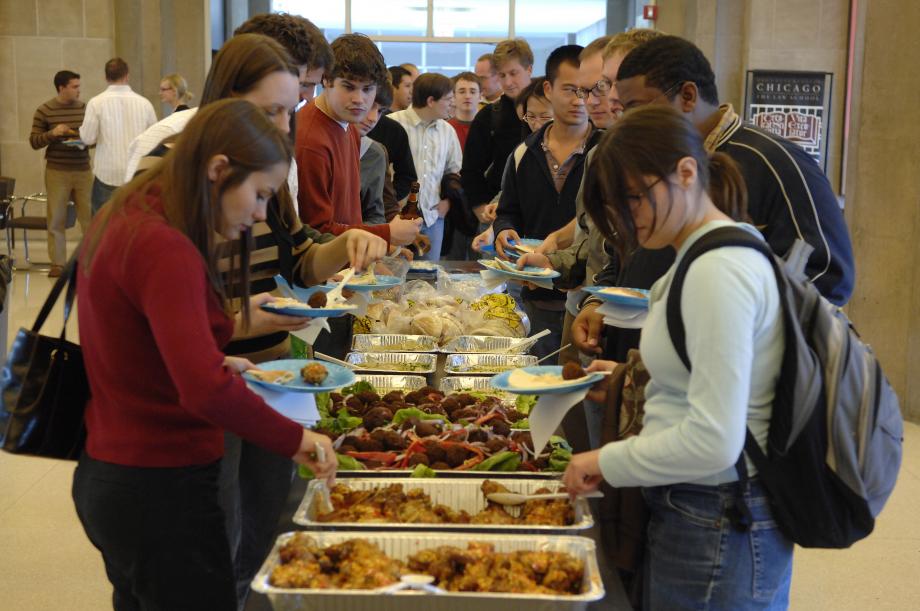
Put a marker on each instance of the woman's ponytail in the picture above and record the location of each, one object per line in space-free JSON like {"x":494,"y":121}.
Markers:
{"x":726,"y":187}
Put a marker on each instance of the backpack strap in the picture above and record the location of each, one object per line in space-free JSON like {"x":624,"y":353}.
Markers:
{"x":740,"y":514}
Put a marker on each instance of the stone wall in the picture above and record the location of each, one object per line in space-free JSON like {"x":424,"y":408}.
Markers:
{"x":37,"y":39}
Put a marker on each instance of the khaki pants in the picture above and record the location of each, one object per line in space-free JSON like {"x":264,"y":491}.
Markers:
{"x":59,"y":185}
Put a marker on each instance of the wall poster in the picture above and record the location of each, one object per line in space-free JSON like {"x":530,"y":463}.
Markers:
{"x":794,"y":105}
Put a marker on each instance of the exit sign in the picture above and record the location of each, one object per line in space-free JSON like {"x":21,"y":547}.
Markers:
{"x":650,"y":12}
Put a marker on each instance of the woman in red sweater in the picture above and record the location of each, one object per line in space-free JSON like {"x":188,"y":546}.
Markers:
{"x":153,"y":315}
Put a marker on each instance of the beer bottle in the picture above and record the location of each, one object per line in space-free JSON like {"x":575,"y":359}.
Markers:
{"x":410,"y":210}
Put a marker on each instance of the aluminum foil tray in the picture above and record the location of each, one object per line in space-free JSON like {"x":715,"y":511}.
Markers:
{"x":456,"y":494}
{"x":482,"y":384}
{"x":483,"y":344}
{"x":486,"y":364}
{"x":401,"y":545}
{"x":393,"y":343}
{"x":387,"y":383}
{"x":393,"y":362}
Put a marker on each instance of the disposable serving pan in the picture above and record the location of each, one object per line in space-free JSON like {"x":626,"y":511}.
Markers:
{"x":386,"y":383}
{"x":457,"y":494}
{"x":392,"y":362}
{"x":454,"y":384}
{"x":486,"y":364}
{"x":484,"y":344}
{"x":391,"y":342}
{"x":401,"y":545}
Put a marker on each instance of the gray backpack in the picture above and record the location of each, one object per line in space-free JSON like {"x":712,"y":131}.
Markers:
{"x":834,"y":444}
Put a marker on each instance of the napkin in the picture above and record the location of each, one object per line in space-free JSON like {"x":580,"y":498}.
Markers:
{"x":492,"y":278}
{"x":547,"y":415}
{"x":624,"y":317}
{"x":298,"y":406}
{"x":312,"y":331}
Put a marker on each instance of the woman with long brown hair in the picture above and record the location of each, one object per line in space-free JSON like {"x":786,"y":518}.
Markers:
{"x":154,"y":314}
{"x":712,"y":539}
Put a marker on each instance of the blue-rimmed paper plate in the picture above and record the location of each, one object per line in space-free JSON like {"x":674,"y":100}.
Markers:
{"x":383,"y":283}
{"x":527,"y":274}
{"x":531,"y":242}
{"x":503,"y":381}
{"x":620,"y":295}
{"x":307,"y":311}
{"x":338,"y":376}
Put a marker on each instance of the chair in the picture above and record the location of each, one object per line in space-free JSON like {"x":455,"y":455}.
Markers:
{"x":29,"y":223}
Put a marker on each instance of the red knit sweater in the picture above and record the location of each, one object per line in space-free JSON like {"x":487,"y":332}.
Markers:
{"x":329,"y":174}
{"x":151,"y":329}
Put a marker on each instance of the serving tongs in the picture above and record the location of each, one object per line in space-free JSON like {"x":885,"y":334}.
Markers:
{"x":320,"y":487}
{"x":527,"y":341}
{"x":412,"y":581}
{"x":515,"y":498}
{"x":332,"y":359}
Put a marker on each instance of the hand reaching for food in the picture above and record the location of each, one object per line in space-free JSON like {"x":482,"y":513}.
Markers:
{"x":238,"y":364}
{"x":483,"y":239}
{"x":583,"y":473}
{"x":306,"y":455}
{"x":598,"y":392}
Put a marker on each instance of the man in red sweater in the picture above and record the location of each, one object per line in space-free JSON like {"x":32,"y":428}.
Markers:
{"x":328,"y":144}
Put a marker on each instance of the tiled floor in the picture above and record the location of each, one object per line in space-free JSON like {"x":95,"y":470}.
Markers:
{"x":46,"y":562}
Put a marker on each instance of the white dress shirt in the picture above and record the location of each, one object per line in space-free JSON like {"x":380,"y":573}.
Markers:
{"x":435,"y":152}
{"x":153,"y":136}
{"x":113,"y":119}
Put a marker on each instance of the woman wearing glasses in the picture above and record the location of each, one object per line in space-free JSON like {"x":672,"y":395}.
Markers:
{"x":652,"y":184}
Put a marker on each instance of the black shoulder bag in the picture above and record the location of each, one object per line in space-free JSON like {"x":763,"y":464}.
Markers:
{"x":44,"y":385}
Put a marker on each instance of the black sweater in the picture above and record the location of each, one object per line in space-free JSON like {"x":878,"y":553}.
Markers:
{"x":529,"y":202}
{"x":391,"y":134}
{"x":491,"y":140}
{"x":789,"y":197}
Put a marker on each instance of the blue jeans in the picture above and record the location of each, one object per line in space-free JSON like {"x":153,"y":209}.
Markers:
{"x":696,"y":559}
{"x":101,"y":194}
{"x":435,"y":233}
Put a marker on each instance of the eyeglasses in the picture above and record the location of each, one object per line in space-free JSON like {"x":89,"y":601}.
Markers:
{"x":529,"y":116}
{"x":600,"y":89}
{"x":635,"y":201}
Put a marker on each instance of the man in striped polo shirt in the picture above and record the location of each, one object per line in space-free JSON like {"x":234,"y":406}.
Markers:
{"x":67,"y":169}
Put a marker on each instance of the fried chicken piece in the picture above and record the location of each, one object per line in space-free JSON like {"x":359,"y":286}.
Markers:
{"x":314,"y":373}
{"x":493,"y":514}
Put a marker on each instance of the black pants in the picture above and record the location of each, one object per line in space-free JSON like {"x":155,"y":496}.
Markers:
{"x":254,"y":486}
{"x":161,"y":534}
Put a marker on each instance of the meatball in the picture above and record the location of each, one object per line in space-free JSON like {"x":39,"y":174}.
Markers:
{"x":465,"y":399}
{"x":314,"y":373}
{"x":317,"y":300}
{"x":427,"y":428}
{"x":573,"y":371}
{"x":415,"y":397}
{"x":350,"y":440}
{"x":337,"y":397}
{"x":391,"y":440}
{"x":393,"y":395}
{"x":456,"y":455}
{"x":440,"y":466}
{"x":477,"y":434}
{"x":467,"y":413}
{"x":345,"y":449}
{"x":450,"y":405}
{"x":368,"y":396}
{"x":523,"y":438}
{"x":496,"y":445}
{"x":434,"y":450}
{"x":409,"y":424}
{"x":431,"y":408}
{"x":355,"y":406}
{"x":500,"y":427}
{"x":419,"y":458}
{"x":368,"y":444}
{"x":512,"y":415}
{"x":377,"y":417}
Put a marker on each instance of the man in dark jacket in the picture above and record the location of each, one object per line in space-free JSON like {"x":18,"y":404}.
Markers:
{"x":541,"y":180}
{"x":789,"y":197}
{"x":496,"y":130}
{"x":393,"y":137}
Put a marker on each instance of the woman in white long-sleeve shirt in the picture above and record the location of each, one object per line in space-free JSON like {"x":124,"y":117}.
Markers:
{"x":653,"y":185}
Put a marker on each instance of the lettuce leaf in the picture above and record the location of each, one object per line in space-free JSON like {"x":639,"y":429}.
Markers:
{"x":559,"y":460}
{"x":503,"y":461}
{"x":342,"y":423}
{"x":422,"y":470}
{"x":359,"y":386}
{"x":523,"y":423}
{"x":525,"y":403}
{"x":346,"y":463}
{"x":407,"y":413}
{"x":324,"y":404}
{"x":559,"y":442}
